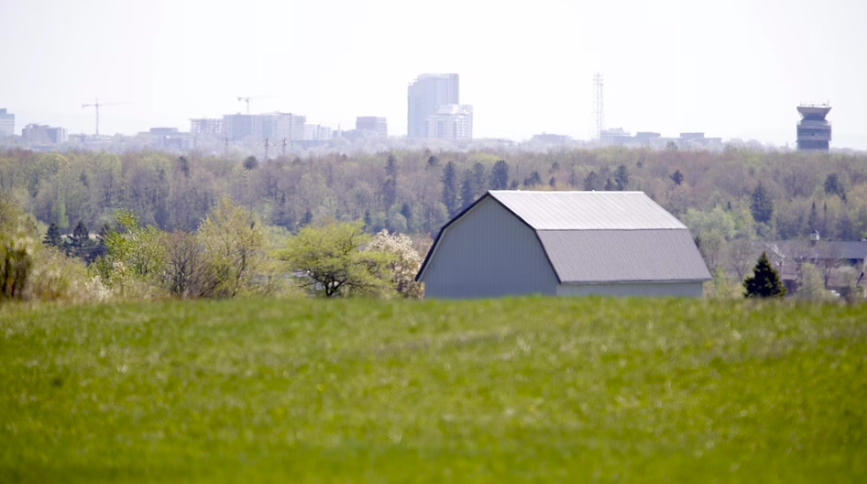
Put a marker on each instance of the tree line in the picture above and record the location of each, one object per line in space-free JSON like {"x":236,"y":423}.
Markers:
{"x":724,"y":197}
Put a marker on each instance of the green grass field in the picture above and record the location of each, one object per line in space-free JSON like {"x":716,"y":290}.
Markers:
{"x":516,"y":390}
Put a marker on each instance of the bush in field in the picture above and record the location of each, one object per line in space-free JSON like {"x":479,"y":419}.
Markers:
{"x":404,"y":265}
{"x":812,"y":286}
{"x":765,"y":281}
{"x":223,"y":259}
{"x":29,"y":270}
{"x":233,"y":246}
{"x":331,"y":261}
{"x":19,"y":243}
{"x":135,"y":257}
{"x":58,"y":277}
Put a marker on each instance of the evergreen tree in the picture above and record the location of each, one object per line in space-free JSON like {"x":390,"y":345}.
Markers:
{"x":621,"y":177}
{"x":677,"y":177}
{"x":80,"y":235}
{"x":389,"y":187}
{"x":832,"y":184}
{"x":480,"y":184}
{"x":308,"y":218}
{"x":432,"y":162}
{"x":500,"y":176}
{"x":761,"y":204}
{"x":467,"y":192}
{"x":533,"y":180}
{"x":53,"y":237}
{"x":765,"y":281}
{"x":552,"y":182}
{"x":251,"y":163}
{"x":813,"y":219}
{"x":368,"y":221}
{"x":591,"y":182}
{"x":406,"y":211}
{"x":450,"y":190}
{"x":609,"y":186}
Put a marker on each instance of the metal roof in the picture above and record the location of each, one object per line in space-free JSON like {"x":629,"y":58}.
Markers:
{"x":587,"y":210}
{"x":599,"y":237}
{"x":807,"y":250}
{"x":654,"y":255}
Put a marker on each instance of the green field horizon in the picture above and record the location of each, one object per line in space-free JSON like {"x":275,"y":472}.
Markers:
{"x":510,"y":390}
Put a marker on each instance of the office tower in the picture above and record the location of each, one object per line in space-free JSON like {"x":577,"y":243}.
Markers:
{"x":7,"y":123}
{"x":451,"y":121}
{"x":372,"y":124}
{"x":425,"y":96}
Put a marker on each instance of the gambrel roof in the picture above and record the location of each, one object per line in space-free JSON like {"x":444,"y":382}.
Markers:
{"x":602,"y":237}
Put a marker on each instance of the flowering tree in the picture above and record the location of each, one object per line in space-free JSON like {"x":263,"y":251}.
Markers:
{"x":404,"y":264}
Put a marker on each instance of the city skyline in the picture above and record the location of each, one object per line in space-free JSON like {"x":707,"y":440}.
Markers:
{"x":670,"y":67}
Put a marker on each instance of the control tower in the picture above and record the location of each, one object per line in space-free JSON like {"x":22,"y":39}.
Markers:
{"x":814,"y":131}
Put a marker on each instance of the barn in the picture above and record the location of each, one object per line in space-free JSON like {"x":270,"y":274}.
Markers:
{"x":565,"y":244}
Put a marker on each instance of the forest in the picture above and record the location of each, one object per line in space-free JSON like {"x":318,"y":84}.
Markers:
{"x":732,"y":195}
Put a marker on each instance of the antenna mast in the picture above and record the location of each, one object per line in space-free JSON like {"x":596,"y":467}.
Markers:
{"x":598,"y":104}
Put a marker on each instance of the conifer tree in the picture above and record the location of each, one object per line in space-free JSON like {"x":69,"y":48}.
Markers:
{"x":500,"y":176}
{"x":52,"y":237}
{"x":761,"y":204}
{"x":467,"y":192}
{"x":621,"y":177}
{"x":765,"y":281}
{"x":450,"y":189}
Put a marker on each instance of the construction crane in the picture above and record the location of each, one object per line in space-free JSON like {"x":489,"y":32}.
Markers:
{"x":247,"y":100}
{"x":98,"y":105}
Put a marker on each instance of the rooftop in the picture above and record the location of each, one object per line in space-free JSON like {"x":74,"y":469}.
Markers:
{"x":587,"y":210}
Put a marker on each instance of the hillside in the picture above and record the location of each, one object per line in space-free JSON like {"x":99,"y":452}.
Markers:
{"x":513,"y":390}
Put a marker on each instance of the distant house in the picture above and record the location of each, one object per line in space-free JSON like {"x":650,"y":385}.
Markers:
{"x":841,"y":262}
{"x":563,"y":243}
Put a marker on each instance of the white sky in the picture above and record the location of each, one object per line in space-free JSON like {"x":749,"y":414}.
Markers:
{"x":733,"y":68}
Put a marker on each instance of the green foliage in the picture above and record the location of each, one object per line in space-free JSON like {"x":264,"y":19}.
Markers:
{"x":500,"y":176}
{"x":765,"y":281}
{"x":450,"y":191}
{"x":761,"y":204}
{"x":329,"y":261}
{"x":233,"y":246}
{"x":174,"y":193}
{"x":621,"y":177}
{"x":251,"y":163}
{"x":533,"y":180}
{"x":19,"y":244}
{"x":53,"y":237}
{"x":508,"y":390}
{"x":811,"y":284}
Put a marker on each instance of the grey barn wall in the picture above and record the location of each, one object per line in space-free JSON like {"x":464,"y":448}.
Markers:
{"x":674,"y":289}
{"x":488,"y":253}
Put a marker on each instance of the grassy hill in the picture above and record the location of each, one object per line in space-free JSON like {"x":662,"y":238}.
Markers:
{"x":516,"y":390}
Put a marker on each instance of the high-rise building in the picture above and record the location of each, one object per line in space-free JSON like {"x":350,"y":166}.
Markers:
{"x":286,"y":126}
{"x":372,"y":124}
{"x":7,"y":123}
{"x":236,"y":127}
{"x":814,"y":131}
{"x":425,"y":96}
{"x":206,"y":126}
{"x":451,"y":121}
{"x":36,"y":134}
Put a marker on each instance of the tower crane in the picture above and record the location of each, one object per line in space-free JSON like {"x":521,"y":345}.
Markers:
{"x":247,"y":100}
{"x":96,"y":105}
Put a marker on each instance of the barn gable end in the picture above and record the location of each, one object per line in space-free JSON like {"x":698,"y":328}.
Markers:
{"x":487,"y":252}
{"x":563,"y":243}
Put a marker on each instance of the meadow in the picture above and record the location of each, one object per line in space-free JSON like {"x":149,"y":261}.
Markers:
{"x":510,"y":390}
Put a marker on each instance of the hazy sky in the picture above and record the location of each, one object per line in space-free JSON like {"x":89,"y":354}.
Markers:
{"x":733,"y":68}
